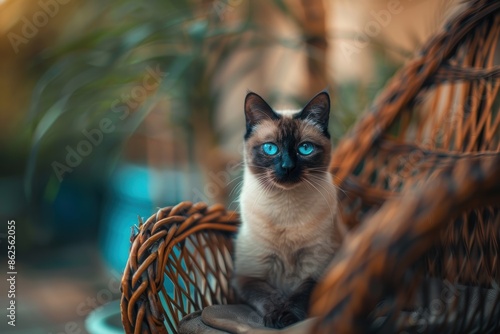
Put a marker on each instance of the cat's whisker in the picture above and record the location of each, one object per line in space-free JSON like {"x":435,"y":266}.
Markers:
{"x":255,"y":166}
{"x":324,"y":169}
{"x":236,"y":187}
{"x":319,"y":191}
{"x":263,"y":181}
{"x":321,"y":182}
{"x":334,"y":185}
{"x":236,"y":200}
{"x":234,"y":179}
{"x":335,"y":176}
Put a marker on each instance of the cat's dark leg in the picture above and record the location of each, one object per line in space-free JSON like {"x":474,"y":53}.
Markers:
{"x":294,"y":309}
{"x":259,"y":294}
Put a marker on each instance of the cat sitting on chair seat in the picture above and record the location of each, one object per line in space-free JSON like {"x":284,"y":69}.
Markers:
{"x":290,"y":228}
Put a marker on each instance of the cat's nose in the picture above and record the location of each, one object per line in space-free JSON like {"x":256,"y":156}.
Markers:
{"x":287,"y":164}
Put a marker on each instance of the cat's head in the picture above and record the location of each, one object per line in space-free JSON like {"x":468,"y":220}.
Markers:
{"x":286,"y":148}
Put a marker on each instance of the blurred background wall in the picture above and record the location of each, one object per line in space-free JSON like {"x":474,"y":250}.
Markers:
{"x":111,"y":109}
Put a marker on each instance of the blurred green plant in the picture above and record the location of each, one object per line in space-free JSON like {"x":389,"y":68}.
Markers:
{"x":85,"y":77}
{"x":102,"y":63}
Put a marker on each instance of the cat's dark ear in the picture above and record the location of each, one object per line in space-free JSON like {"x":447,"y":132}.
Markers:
{"x":257,"y":110}
{"x":317,"y":110}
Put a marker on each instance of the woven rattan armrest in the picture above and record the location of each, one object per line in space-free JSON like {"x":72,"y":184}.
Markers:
{"x":374,"y":260}
{"x":179,"y":263}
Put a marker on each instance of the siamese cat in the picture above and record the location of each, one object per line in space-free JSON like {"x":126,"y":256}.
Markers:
{"x":290,"y":229}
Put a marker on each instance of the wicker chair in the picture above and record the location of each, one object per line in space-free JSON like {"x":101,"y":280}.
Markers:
{"x":420,"y":175}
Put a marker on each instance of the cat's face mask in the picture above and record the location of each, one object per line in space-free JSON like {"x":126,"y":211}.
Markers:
{"x":287,"y":148}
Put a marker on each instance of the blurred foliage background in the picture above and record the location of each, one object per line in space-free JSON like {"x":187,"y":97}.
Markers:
{"x":112,"y":108}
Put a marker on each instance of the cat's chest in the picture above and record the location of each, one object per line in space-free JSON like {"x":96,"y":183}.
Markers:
{"x":290,"y":262}
{"x":288,"y":269}
{"x":288,"y":213}
{"x":297,"y":211}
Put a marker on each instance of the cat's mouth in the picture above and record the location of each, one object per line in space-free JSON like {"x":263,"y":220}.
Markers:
{"x":282,"y":182}
{"x":286,"y":186}
{"x":287,"y":183}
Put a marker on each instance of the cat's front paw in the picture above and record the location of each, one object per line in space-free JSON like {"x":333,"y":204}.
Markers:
{"x":284,"y":316}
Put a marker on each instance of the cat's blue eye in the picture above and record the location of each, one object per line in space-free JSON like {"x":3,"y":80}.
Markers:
{"x":270,"y":148}
{"x":306,"y":148}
